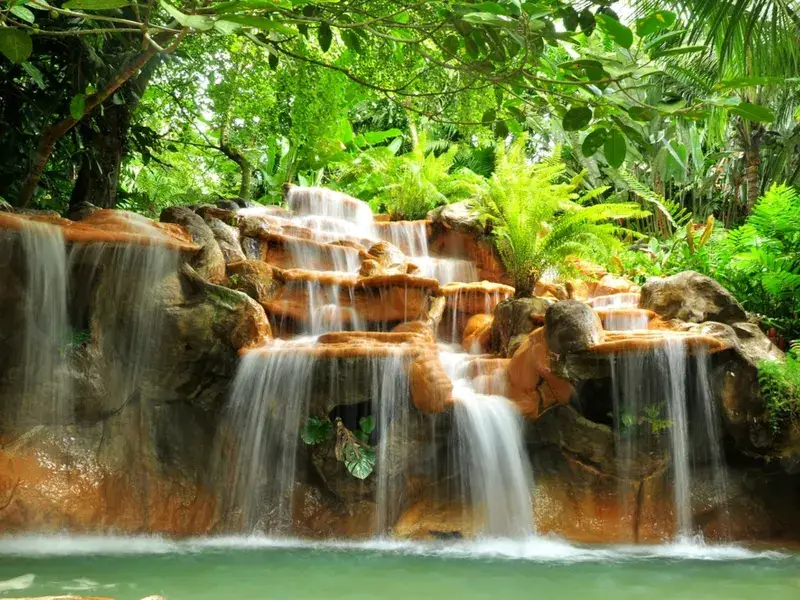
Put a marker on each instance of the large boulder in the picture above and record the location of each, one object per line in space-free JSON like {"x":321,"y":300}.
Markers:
{"x":514,"y":319}
{"x":209,"y":262}
{"x":571,"y":326}
{"x":227,"y":238}
{"x":692,"y":297}
{"x":459,"y":216}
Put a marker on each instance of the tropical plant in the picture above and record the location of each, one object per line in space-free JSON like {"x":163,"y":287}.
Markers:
{"x":780,"y":388}
{"x":352,"y":448}
{"x":760,"y":261}
{"x":539,"y":221}
{"x":408,"y":185}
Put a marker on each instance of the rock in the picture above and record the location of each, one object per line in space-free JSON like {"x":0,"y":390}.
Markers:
{"x":532,"y":384}
{"x":383,"y":259}
{"x":477,"y":334}
{"x":459,"y":216}
{"x":228,"y":240}
{"x":254,"y":278}
{"x":754,"y":345}
{"x":209,"y":262}
{"x":228,"y":205}
{"x":431,"y":389}
{"x":515,"y":317}
{"x":693,"y":297}
{"x":209,"y":211}
{"x":81,"y":210}
{"x":612,"y":284}
{"x":571,"y":326}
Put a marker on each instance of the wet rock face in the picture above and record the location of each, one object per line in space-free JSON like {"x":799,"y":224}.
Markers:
{"x":516,"y":317}
{"x":209,"y":262}
{"x":692,"y":297}
{"x":571,"y":326}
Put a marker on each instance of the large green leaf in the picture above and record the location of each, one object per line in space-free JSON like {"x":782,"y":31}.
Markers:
{"x":615,"y":148}
{"x":325,"y":36}
{"x":641,"y":113}
{"x":587,"y":21}
{"x":15,"y":44}
{"x":570,"y":18}
{"x":754,"y":112}
{"x":199,"y":22}
{"x":245,"y":5}
{"x":594,"y":141}
{"x":35,"y":74}
{"x":367,"y":424}
{"x":351,"y":40}
{"x":577,"y":118}
{"x":487,"y":18}
{"x":263,"y":23}
{"x":95,"y":4}
{"x":77,"y":106}
{"x":376,"y":137}
{"x":656,"y":22}
{"x":616,"y":30}
{"x":359,"y":460}
{"x":316,"y":431}
{"x":20,"y":11}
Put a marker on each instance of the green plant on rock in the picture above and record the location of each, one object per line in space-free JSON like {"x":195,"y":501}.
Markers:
{"x":352,"y":447}
{"x":409,"y":185}
{"x":780,"y":388}
{"x":541,"y":223}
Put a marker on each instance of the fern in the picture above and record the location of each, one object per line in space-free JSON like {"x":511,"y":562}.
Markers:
{"x":674,"y":214}
{"x":780,"y":388}
{"x":541,"y":222}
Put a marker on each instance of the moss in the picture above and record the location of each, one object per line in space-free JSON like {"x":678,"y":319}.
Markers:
{"x":780,"y":387}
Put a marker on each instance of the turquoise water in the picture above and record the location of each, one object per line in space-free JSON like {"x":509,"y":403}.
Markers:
{"x":255,"y":568}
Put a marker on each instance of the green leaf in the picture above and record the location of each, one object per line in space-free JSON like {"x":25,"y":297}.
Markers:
{"x":678,"y":51}
{"x":226,"y":27}
{"x":367,"y":423}
{"x":376,"y":137}
{"x":23,"y":13}
{"x":616,"y":30}
{"x":641,"y":113}
{"x":754,"y":112}
{"x":360,"y":461}
{"x":273,"y":61}
{"x":263,"y":23}
{"x":615,"y":148}
{"x":324,"y":36}
{"x":15,"y":44}
{"x":77,"y":106}
{"x":451,"y":44}
{"x":199,"y":22}
{"x":593,"y":142}
{"x":35,"y":74}
{"x":577,"y":118}
{"x":501,"y":130}
{"x":244,"y":5}
{"x":364,"y":437}
{"x":316,"y":431}
{"x":587,"y":21}
{"x":489,"y":117}
{"x":351,"y":40}
{"x":570,"y":18}
{"x":485,"y":18}
{"x":654,"y":23}
{"x":743,"y":82}
{"x":94,"y":4}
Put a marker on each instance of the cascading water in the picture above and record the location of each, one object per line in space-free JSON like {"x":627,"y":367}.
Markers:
{"x":497,"y":478}
{"x":654,"y":392}
{"x":269,"y":401}
{"x":45,"y":394}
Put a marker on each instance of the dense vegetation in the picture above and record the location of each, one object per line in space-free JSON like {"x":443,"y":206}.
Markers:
{"x":640,"y":134}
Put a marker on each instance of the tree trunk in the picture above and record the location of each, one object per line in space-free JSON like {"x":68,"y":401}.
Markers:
{"x":55,"y":132}
{"x":751,"y":135}
{"x":98,"y":179}
{"x":246,"y":185}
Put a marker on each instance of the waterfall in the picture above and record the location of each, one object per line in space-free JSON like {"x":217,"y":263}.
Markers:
{"x":654,"y":393}
{"x":45,"y":393}
{"x":127,"y":318}
{"x":329,"y":208}
{"x":497,"y":478}
{"x":269,"y":401}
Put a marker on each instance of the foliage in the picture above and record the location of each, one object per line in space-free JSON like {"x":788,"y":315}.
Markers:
{"x":316,"y":430}
{"x":760,"y":261}
{"x":780,"y":388}
{"x":408,"y":185}
{"x":540,"y":221}
{"x":352,"y":447}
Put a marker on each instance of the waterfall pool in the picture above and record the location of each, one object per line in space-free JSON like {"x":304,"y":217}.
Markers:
{"x":254,"y":568}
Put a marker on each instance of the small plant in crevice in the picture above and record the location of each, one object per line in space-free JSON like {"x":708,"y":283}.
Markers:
{"x":77,"y":338}
{"x":651,"y":417}
{"x":352,"y":447}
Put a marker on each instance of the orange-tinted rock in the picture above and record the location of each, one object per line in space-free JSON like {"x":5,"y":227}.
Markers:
{"x":552,"y":290}
{"x":528,"y":370}
{"x":580,"y":289}
{"x":473,"y":298}
{"x":477,"y":335}
{"x":252,"y":328}
{"x":254,"y":278}
{"x":637,"y":341}
{"x":111,"y":227}
{"x":611,"y":284}
{"x":387,"y":259}
{"x":480,"y":250}
{"x":431,"y":389}
{"x":418,"y":327}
